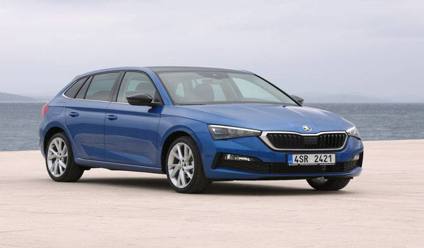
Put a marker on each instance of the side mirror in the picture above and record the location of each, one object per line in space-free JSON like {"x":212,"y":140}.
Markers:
{"x":298,"y":99}
{"x":141,"y":100}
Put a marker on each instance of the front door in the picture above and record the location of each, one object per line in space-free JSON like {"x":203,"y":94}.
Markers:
{"x":131,"y":132}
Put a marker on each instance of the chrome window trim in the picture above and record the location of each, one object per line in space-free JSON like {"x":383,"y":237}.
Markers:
{"x":265,"y":139}
{"x":82,"y":99}
{"x":91,"y":100}
{"x":120,"y":82}
{"x":88,"y":77}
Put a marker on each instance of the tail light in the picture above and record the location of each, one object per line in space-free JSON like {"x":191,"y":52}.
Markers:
{"x":44,"y":110}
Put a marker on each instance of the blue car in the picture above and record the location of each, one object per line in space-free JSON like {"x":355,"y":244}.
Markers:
{"x":196,"y":125}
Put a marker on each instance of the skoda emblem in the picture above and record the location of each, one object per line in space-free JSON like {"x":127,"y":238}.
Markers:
{"x":306,"y":128}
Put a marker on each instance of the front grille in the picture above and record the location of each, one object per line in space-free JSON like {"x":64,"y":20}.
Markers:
{"x":293,"y":141}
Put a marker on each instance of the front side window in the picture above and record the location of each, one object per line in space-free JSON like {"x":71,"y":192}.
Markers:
{"x":209,"y":87}
{"x":136,"y":83}
{"x":101,"y":86}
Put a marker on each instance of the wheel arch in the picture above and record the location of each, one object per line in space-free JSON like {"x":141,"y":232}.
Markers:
{"x":173,"y":135}
{"x":50,"y":130}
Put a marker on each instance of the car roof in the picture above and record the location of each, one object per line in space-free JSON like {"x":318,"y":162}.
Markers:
{"x":188,"y":68}
{"x":159,"y":69}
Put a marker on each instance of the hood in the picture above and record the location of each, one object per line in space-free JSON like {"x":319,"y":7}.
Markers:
{"x":266,"y":117}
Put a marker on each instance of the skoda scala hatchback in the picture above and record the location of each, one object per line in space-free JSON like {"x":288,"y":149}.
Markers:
{"x":196,"y":125}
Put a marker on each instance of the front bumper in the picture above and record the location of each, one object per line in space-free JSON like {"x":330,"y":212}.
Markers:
{"x":270,"y":164}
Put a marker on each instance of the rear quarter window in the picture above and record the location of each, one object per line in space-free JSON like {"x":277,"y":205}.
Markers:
{"x":83,"y":90}
{"x":73,"y":90}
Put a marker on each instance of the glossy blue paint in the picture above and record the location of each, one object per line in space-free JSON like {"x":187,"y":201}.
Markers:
{"x":120,"y":136}
{"x":85,"y":122}
{"x":131,"y":137}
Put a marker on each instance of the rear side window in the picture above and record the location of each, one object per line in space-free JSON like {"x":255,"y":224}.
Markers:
{"x":73,"y":90}
{"x":101,"y":86}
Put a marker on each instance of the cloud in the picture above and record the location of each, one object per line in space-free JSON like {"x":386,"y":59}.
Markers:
{"x":366,"y":47}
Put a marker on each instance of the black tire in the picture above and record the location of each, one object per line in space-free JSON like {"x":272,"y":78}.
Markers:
{"x":199,"y":182}
{"x":328,"y":184}
{"x":72,"y":172}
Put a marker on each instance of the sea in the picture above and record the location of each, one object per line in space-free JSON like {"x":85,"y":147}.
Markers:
{"x":19,"y":122}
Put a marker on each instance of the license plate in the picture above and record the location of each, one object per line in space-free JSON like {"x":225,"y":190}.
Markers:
{"x":312,"y":159}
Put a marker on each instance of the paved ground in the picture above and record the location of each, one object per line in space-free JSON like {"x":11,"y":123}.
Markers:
{"x":382,"y":208}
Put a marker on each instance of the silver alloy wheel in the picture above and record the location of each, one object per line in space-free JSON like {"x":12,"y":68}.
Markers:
{"x":57,"y":157}
{"x":180,"y":165}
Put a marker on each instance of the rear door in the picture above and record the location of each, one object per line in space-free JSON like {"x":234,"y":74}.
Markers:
{"x":85,"y":115}
{"x":131,"y":132}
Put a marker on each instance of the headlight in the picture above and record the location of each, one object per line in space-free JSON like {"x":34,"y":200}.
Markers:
{"x":225,"y":132}
{"x":353,"y":131}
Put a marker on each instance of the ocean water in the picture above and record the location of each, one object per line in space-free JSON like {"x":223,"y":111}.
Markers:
{"x":382,"y":121}
{"x":19,"y":126}
{"x":19,"y":122}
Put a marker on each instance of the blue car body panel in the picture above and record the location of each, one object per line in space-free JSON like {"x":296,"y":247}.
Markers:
{"x":126,"y":137}
{"x":86,"y":129}
{"x":132,"y":138}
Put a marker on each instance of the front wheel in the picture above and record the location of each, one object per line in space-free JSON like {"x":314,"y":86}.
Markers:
{"x":328,"y":184}
{"x":184,"y":167}
{"x":59,"y":160}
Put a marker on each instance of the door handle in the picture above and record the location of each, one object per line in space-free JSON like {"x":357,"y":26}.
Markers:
{"x":73,"y":114}
{"x":111,"y":117}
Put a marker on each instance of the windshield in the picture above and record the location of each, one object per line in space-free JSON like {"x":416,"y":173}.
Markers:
{"x":210,"y":87}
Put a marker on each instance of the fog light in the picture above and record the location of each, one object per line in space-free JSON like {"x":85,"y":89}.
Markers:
{"x":356,"y":157}
{"x":237,"y":158}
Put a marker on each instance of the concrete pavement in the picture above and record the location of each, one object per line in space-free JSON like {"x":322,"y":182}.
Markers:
{"x":384,"y":207}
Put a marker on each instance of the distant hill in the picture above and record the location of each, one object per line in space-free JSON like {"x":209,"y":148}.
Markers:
{"x":7,"y":97}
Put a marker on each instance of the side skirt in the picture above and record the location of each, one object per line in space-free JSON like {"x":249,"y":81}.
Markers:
{"x":116,"y":166}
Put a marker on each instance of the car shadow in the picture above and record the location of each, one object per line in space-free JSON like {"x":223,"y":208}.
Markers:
{"x":257,"y":189}
{"x":216,"y":188}
{"x":133,"y":182}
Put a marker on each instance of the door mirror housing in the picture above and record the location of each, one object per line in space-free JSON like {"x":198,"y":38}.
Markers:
{"x":298,"y":99}
{"x":142,"y":100}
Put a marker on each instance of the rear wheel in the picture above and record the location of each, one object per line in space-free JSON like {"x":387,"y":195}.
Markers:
{"x":328,"y":184}
{"x":184,"y":167}
{"x":59,"y":160}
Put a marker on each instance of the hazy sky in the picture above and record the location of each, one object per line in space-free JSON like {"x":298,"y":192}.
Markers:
{"x":372,"y":48}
